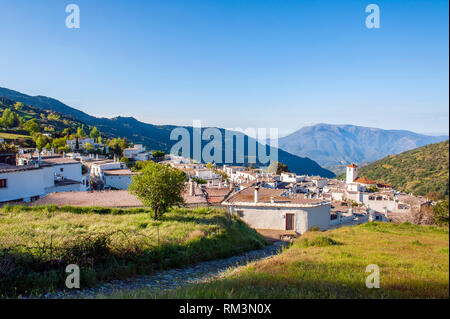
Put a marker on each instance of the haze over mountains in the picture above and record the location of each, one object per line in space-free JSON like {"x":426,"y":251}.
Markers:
{"x":334,"y":146}
{"x":156,"y":137}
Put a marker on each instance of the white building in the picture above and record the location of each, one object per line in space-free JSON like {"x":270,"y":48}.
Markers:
{"x":111,"y":174}
{"x":292,"y":177}
{"x":264,"y":208}
{"x":137,"y":153}
{"x":36,"y":176}
{"x":211,"y":178}
{"x":82,"y":142}
{"x":118,"y":178}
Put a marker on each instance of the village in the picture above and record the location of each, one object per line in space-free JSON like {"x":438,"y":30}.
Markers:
{"x":278,"y":204}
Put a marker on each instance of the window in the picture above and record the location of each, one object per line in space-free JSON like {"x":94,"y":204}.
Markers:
{"x":61,"y":169}
{"x":3,"y":183}
{"x":240,"y":213}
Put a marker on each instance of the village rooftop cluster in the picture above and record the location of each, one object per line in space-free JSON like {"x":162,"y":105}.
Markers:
{"x":286,"y":203}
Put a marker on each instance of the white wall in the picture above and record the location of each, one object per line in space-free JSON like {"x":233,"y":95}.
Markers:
{"x":274,"y":218}
{"x":22,"y":184}
{"x":117,"y":181}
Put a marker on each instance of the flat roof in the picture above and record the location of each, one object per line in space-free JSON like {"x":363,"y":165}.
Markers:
{"x":246,"y":197}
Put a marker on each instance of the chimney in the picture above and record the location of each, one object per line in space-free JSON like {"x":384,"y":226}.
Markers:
{"x":272,"y":200}
{"x":257,"y":194}
{"x":191,"y":188}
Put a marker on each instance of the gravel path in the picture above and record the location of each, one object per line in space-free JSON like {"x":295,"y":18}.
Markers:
{"x":173,"y":278}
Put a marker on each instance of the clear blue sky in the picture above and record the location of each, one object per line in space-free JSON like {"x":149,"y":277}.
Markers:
{"x":252,"y":63}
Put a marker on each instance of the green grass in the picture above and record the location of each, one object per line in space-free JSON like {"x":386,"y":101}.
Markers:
{"x":413,"y":262}
{"x":37,"y":243}
{"x":10,"y":136}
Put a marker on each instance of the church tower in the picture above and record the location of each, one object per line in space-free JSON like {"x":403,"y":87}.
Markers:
{"x":352,"y":173}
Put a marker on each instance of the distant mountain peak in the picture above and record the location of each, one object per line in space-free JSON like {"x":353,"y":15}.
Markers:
{"x":333,"y":145}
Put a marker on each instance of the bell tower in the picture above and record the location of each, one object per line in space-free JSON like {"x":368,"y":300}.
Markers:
{"x":352,"y":173}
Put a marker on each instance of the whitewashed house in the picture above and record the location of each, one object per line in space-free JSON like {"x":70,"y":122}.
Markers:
{"x":36,"y":175}
{"x":112,"y":174}
{"x":264,"y":208}
{"x":137,"y":153}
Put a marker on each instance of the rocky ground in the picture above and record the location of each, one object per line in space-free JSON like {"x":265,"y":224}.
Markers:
{"x":171,"y":278}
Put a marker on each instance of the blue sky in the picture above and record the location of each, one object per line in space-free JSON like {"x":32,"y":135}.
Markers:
{"x":253,"y":63}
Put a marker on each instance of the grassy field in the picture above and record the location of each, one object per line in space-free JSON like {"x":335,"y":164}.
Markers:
{"x":37,"y":243}
{"x":9,"y":136}
{"x":413,"y":262}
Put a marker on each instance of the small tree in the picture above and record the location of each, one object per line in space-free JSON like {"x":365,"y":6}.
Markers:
{"x":125,"y":160}
{"x":95,"y":134}
{"x":158,"y":154}
{"x":159,"y":187}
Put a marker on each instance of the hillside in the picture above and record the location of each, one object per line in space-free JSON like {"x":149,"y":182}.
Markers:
{"x":156,"y":137}
{"x":335,"y":146}
{"x":419,"y":171}
{"x":413,"y":263}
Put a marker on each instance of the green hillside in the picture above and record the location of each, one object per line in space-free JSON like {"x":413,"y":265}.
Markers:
{"x":418,"y":171}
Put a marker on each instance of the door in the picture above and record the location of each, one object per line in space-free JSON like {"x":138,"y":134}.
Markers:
{"x":289,"y":221}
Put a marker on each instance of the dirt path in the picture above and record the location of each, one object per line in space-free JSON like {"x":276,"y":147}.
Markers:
{"x":173,"y":278}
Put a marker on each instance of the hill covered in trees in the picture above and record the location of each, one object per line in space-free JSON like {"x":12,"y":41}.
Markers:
{"x":156,"y":137}
{"x":419,"y":171}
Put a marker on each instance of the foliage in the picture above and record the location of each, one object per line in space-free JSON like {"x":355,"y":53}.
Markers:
{"x":9,"y":119}
{"x":199,"y":181}
{"x":419,"y":171}
{"x":117,"y":145}
{"x":158,"y":154}
{"x":95,"y":134}
{"x":125,"y":160}
{"x":159,"y":187}
{"x":441,"y":212}
{"x":41,"y":141}
{"x":81,"y":132}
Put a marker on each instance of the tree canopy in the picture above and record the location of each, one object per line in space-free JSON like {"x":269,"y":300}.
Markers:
{"x":159,"y":186}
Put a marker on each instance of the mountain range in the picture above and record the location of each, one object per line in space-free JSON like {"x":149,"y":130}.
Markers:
{"x":335,"y":146}
{"x":155,"y":137}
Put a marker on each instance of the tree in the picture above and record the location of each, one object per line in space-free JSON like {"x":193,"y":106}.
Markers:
{"x":9,"y":119}
{"x":89,"y":147}
{"x":125,"y":160}
{"x":209,"y":165}
{"x":277,"y":167}
{"x":158,"y":154}
{"x":441,"y":212}
{"x":124,"y":143}
{"x":77,"y":143}
{"x":67,"y":131}
{"x":32,"y":126}
{"x":81,"y":132}
{"x":95,"y":134}
{"x":42,"y":141}
{"x":116,"y":146}
{"x":159,"y":186}
{"x":282,"y":168}
{"x":59,"y":142}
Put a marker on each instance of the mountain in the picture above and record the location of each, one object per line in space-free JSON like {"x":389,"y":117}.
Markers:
{"x":156,"y":137}
{"x":418,"y":171}
{"x":335,"y":146}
